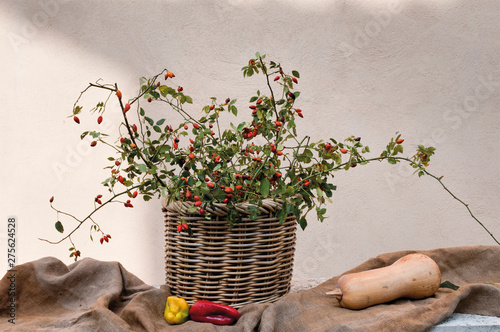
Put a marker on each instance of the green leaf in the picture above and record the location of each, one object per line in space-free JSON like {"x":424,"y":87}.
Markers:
{"x":142,"y":168}
{"x":241,"y":126}
{"x":149,"y":120}
{"x":160,"y":122}
{"x":303,"y":223}
{"x":447,"y":284}
{"x":141,"y":112}
{"x":264,"y":187}
{"x":308,"y":153}
{"x":398,"y":149}
{"x":166,"y":90}
{"x":59,"y":227}
{"x":157,"y":129}
{"x":295,"y":73}
{"x":94,"y":134}
{"x":234,"y":110}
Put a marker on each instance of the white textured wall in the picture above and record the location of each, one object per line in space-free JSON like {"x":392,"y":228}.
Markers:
{"x":428,"y":69}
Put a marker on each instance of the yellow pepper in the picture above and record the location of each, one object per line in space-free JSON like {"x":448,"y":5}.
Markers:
{"x":176,"y":310}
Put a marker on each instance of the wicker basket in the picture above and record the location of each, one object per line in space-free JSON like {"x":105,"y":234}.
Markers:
{"x":252,"y":263}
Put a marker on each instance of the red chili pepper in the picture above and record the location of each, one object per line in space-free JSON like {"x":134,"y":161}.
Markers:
{"x":210,"y":312}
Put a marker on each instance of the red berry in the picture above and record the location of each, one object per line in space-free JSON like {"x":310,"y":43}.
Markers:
{"x":424,"y":156}
{"x":295,"y":80}
{"x":105,"y":238}
{"x":93,"y":143}
{"x":179,"y":89}
{"x":196,"y":198}
{"x":169,"y":74}
{"x":185,"y":226}
{"x":134,"y":128}
{"x":210,"y":185}
{"x":117,"y":163}
{"x":158,"y":84}
{"x":252,"y":107}
{"x":99,"y":120}
{"x":179,"y":228}
{"x":357,"y":139}
{"x":134,"y":195}
{"x":258,"y":102}
{"x":101,"y":240}
{"x":188,"y":194}
{"x":198,"y":203}
{"x":399,"y":141}
{"x":344,"y":151}
{"x":212,"y":107}
{"x":196,"y":126}
{"x":122,"y":140}
{"x":278,"y":124}
{"x":212,"y":133}
{"x":99,"y":196}
{"x":225,"y":200}
{"x":120,"y":179}
{"x":201,"y":211}
{"x":186,"y":127}
{"x":76,"y":119}
{"x":276,"y":78}
{"x":126,"y":108}
{"x":119,"y":94}
{"x":150,"y":99}
{"x":98,"y":201}
{"x":228,"y":190}
{"x":328,"y":147}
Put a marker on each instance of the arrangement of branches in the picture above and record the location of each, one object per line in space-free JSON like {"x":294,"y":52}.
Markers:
{"x":199,"y":162}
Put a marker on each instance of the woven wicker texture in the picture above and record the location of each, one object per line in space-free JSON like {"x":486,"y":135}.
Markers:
{"x":252,"y":263}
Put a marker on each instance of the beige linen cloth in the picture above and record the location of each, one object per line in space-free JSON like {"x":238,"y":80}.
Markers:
{"x":92,"y":295}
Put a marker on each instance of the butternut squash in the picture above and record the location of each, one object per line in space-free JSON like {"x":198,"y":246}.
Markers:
{"x":413,"y":276}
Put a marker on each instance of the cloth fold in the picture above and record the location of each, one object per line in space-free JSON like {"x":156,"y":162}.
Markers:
{"x":92,"y":295}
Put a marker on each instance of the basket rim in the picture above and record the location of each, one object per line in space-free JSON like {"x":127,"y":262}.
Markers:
{"x":268,"y":204}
